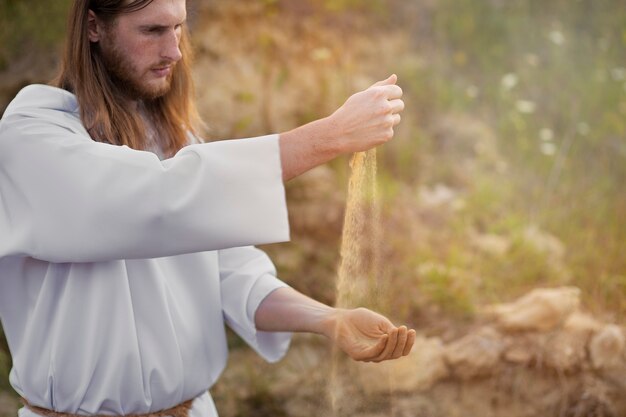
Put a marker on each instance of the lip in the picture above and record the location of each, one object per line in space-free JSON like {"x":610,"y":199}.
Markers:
{"x":162,"y":72}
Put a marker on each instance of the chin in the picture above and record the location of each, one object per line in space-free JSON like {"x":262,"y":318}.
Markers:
{"x":154,"y":92}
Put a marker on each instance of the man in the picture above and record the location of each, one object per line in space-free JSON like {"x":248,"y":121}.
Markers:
{"x":124,"y":250}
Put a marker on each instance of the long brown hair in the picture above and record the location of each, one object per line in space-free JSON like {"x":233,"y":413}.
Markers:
{"x":106,"y":117}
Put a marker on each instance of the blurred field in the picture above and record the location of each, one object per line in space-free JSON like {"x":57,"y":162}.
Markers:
{"x":506,"y":174}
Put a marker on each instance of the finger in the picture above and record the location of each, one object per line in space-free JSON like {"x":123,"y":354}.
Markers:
{"x":373,"y":351}
{"x":396,"y":119}
{"x":393,"y":78}
{"x":390,"y":92}
{"x":391,"y":344}
{"x":402,"y":337}
{"x":409,"y":342}
{"x":396,"y":105}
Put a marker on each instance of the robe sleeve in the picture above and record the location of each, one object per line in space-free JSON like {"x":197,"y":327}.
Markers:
{"x":67,"y":198}
{"x":248,"y":276}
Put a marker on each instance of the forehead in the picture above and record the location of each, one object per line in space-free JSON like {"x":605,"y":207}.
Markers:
{"x":163,"y":12}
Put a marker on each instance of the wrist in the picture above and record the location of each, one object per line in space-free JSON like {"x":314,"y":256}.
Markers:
{"x":329,"y":321}
{"x":325,"y":135}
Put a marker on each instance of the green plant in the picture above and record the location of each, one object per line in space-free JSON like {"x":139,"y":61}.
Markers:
{"x":30,"y":24}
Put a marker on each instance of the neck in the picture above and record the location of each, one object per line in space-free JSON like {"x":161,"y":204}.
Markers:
{"x":132,"y":104}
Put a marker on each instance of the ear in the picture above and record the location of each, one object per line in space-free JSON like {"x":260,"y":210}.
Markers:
{"x":94,"y":27}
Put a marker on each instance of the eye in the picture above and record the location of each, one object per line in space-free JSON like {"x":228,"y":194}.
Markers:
{"x":157,"y":30}
{"x":153,"y":30}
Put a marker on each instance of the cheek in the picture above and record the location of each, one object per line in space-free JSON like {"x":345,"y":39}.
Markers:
{"x":143,"y":54}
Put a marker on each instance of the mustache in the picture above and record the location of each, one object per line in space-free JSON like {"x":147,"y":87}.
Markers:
{"x":164,"y":64}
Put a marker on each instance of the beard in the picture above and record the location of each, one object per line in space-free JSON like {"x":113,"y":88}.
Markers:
{"x":128,"y":79}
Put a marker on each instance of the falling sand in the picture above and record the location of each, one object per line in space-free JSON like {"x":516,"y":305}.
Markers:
{"x":360,"y":258}
{"x":358,"y":278}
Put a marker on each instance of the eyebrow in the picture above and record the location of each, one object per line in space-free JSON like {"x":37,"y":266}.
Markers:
{"x":158,"y":27}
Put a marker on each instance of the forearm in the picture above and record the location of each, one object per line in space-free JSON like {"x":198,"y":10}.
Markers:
{"x":363,"y":334}
{"x":287,"y":310}
{"x":306,"y":147}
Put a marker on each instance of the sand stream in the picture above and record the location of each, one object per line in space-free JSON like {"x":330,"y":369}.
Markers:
{"x":359,"y":276}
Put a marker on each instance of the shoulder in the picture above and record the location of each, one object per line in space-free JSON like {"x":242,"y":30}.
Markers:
{"x":43,"y":97}
{"x":38,"y":103}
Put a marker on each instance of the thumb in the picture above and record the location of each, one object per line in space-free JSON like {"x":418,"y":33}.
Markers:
{"x":386,"y":326}
{"x":393,"y":78}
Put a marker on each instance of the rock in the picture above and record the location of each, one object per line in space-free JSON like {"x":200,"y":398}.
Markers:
{"x":491,"y":244}
{"x":545,"y":242}
{"x":565,"y":351}
{"x":579,"y":322}
{"x":475,"y":355}
{"x":542,"y":309}
{"x":418,"y":371}
{"x":522,"y":349}
{"x":606,"y":348}
{"x":519,"y":354}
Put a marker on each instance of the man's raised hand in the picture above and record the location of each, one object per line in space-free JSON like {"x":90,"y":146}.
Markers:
{"x":368,"y":118}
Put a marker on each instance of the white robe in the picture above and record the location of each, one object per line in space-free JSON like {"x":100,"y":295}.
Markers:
{"x":118,"y":270}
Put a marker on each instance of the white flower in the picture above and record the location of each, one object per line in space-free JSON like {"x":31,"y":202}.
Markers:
{"x":618,"y":74}
{"x":583,"y":128}
{"x":546,"y":134}
{"x":556,"y":37}
{"x":472,"y":91}
{"x":548,"y":148}
{"x":509,"y":81}
{"x":525,"y":106}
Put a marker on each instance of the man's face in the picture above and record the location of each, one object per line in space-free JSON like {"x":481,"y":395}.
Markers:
{"x":140,"y":49}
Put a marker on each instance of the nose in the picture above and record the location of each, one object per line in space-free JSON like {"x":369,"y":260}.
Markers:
{"x":171,"y":48}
